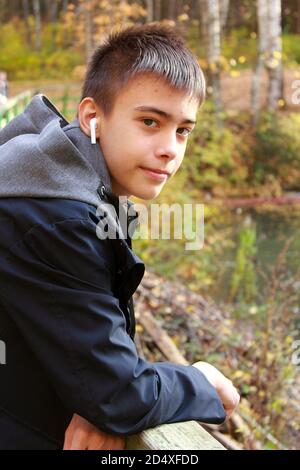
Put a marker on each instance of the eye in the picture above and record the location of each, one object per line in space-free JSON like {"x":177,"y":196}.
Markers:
{"x":185,"y":132}
{"x":149,"y":121}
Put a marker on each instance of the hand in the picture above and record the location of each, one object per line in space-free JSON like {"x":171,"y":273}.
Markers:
{"x":224,"y":387}
{"x":82,"y":435}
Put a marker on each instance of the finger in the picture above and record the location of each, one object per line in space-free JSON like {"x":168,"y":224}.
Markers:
{"x":97,"y":443}
{"x":230,"y":396}
{"x":109,"y":443}
{"x":68,"y":439}
{"x":119,"y":443}
{"x":79,"y":441}
{"x":69,"y":433}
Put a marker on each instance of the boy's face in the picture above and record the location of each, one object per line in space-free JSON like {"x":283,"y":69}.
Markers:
{"x":135,"y":140}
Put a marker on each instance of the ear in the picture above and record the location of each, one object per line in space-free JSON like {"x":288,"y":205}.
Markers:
{"x":88,"y":110}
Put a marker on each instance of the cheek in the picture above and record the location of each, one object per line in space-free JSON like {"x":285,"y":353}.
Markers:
{"x":125,"y":142}
{"x":179,"y":161}
{"x":110,"y":153}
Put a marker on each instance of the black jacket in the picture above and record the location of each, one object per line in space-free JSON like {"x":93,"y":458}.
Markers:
{"x":66,"y":311}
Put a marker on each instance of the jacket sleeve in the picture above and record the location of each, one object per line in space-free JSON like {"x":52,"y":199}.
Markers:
{"x":66,"y":310}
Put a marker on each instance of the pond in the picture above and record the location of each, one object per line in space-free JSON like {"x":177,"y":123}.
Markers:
{"x":241,"y":249}
{"x":258,"y":238}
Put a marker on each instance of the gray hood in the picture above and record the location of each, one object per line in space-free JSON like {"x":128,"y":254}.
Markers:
{"x":42,"y":155}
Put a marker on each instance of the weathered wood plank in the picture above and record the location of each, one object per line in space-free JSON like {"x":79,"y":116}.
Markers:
{"x":187,"y":435}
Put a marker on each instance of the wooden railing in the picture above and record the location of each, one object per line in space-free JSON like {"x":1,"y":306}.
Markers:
{"x":187,"y":435}
{"x":14,"y":106}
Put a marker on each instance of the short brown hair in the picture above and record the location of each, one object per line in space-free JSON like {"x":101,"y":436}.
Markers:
{"x":154,"y":48}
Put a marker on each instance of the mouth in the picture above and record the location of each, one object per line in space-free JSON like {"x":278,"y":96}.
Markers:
{"x":158,"y":175}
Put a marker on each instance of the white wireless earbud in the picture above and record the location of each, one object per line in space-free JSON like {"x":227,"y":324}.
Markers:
{"x":93,"y":126}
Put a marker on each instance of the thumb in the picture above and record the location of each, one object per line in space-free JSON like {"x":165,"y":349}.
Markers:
{"x":69,"y":435}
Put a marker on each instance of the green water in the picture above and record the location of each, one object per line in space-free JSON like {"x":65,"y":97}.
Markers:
{"x":241,"y":249}
{"x":256,"y":247}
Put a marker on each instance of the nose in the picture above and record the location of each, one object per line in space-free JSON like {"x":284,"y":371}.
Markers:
{"x":167,"y":147}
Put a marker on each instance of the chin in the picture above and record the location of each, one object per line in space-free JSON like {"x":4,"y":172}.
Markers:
{"x":147,"y":194}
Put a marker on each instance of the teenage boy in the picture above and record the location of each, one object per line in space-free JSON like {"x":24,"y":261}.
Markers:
{"x":73,"y":378}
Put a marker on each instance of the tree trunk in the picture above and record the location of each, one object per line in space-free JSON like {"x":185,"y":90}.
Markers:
{"x":204,"y":23}
{"x":65,"y":5}
{"x":53,"y":11}
{"x":171,"y":9}
{"x":150,"y":10}
{"x":275,"y":69}
{"x":38,"y":26}
{"x":262,"y":41}
{"x":88,"y":22}
{"x":211,"y":28}
{"x":224,"y":9}
{"x":157,"y":10}
{"x":2,"y":12}
{"x":298,"y":17}
{"x":164,"y":9}
{"x":53,"y":20}
{"x":26,"y":13}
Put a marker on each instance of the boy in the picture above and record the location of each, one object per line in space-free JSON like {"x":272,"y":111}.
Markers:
{"x":72,"y":377}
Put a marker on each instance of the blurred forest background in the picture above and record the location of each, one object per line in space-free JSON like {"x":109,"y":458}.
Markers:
{"x":242,"y":162}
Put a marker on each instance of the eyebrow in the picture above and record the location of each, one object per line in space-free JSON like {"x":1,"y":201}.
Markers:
{"x":163,"y":114}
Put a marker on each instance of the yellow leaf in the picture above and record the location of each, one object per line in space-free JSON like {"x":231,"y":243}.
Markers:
{"x":289,"y":339}
{"x":139,"y":329}
{"x":270,"y":357}
{"x":176,"y":340}
{"x":183,"y":17}
{"x":190,"y":308}
{"x":238,"y":374}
